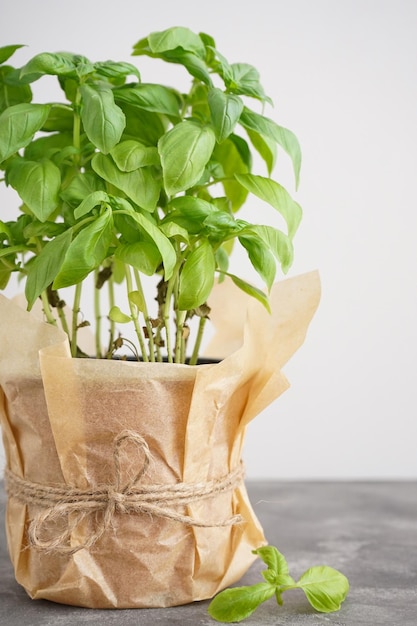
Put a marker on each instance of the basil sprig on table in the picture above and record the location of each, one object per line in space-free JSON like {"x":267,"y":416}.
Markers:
{"x":326,"y":588}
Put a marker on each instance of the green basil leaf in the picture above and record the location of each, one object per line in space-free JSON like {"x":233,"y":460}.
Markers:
{"x":284,"y":137}
{"x":192,"y":63}
{"x":251,"y":290}
{"x":238,"y":603}
{"x":222,"y":260}
{"x":18,"y":125}
{"x":5,"y":233}
{"x":16,"y":230}
{"x":221,"y":65}
{"x":278,"y":242}
{"x":151,"y":97}
{"x":11,"y":95}
{"x":175,"y":231}
{"x":221,"y":203}
{"x":273,"y":559}
{"x":275,"y":195}
{"x":11,"y":76}
{"x":116,"y":315}
{"x":83,"y":67}
{"x":60,"y":118}
{"x":141,"y":125}
{"x":141,"y":185}
{"x":7,"y":51}
{"x":279,"y":580}
{"x":197,"y":101}
{"x":266,"y":148}
{"x":86,"y":251}
{"x":96,"y":198}
{"x":220,"y":226}
{"x":48,"y":147}
{"x":129,"y":155}
{"x":137,"y":298}
{"x":177,"y":45}
{"x":45,"y":266}
{"x":176,"y":37}
{"x":4,"y":229}
{"x":163,"y":244}
{"x":5,"y":275}
{"x":208,"y":41}
{"x":325,"y":588}
{"x":58,"y":64}
{"x":261,"y":258}
{"x":221,"y":221}
{"x":197,"y":277}
{"x":43,"y":229}
{"x":195,"y":209}
{"x":104,"y":122}
{"x":80,"y":187}
{"x":245,"y":80}
{"x":116,"y":69}
{"x":143,"y":255}
{"x":229,"y":155}
{"x":189,"y":213}
{"x":225,"y":111}
{"x":38,"y":184}
{"x":185,"y":150}
{"x":277,"y":573}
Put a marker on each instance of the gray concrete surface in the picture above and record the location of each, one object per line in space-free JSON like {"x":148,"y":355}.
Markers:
{"x":368,"y":530}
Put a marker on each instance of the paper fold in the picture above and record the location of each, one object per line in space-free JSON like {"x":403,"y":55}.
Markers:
{"x":193,"y":420}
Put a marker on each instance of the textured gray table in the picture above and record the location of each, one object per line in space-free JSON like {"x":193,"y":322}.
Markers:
{"x":366,"y":530}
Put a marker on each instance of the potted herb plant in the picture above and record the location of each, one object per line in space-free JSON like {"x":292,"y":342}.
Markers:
{"x":130,"y":471}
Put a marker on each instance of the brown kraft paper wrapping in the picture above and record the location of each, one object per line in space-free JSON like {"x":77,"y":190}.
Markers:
{"x":116,"y":428}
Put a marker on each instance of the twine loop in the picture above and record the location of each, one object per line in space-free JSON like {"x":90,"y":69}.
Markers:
{"x":74,"y":505}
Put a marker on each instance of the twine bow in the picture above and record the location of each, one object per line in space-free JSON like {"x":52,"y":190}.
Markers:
{"x":60,"y":502}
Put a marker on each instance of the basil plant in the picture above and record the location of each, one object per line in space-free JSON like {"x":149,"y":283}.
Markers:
{"x":125,"y":179}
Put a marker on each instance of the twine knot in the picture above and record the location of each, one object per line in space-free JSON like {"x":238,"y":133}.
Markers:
{"x":116,"y":500}
{"x":74,"y":505}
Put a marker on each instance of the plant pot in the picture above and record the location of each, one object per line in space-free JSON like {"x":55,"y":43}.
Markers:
{"x":144,"y":558}
{"x":125,"y":479}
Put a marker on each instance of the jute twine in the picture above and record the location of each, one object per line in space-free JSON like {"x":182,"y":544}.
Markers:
{"x":59,"y":502}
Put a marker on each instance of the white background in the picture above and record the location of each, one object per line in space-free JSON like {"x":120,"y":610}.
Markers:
{"x":343,"y":77}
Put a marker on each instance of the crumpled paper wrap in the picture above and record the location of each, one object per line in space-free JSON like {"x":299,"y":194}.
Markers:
{"x":60,"y":417}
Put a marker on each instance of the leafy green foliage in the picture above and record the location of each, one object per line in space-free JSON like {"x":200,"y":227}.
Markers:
{"x":139,"y":185}
{"x":197,"y":277}
{"x":38,"y":184}
{"x":103,"y":120}
{"x":18,"y":125}
{"x":324,"y":587}
{"x":11,"y":93}
{"x":225,"y":112}
{"x":154,"y":98}
{"x":185,"y":151}
{"x":282,"y":136}
{"x":123,"y":178}
{"x":86,"y":251}
{"x":7,"y":51}
{"x":45,"y":266}
{"x":130,"y":155}
{"x":238,"y":603}
{"x":275,"y":195}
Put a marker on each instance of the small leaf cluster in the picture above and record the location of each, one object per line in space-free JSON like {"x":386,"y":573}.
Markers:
{"x":125,"y":179}
{"x":324,"y":587}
